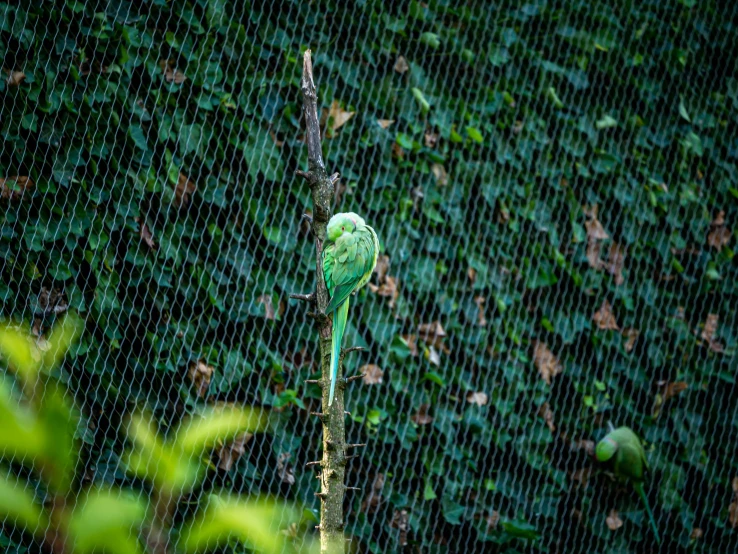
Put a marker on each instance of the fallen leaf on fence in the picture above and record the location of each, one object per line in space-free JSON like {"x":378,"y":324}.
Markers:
{"x":481,"y":318}
{"x":182,"y":191}
{"x":269,"y":312}
{"x":388,"y":288}
{"x":145,"y":233}
{"x":433,"y":334}
{"x":719,"y":235}
{"x":399,"y":521}
{"x":412,"y":344}
{"x":171,"y":73}
{"x":14,"y":187}
{"x":421,"y":417}
{"x":373,"y":374}
{"x":384,"y":123}
{"x":478,"y":398}
{"x":613,"y":521}
{"x":616,"y":262}
{"x":604,"y":318}
{"x":439,"y":172}
{"x":733,"y":508}
{"x":200,"y":375}
{"x":547,"y":414}
{"x":708,"y":333}
{"x":630,"y":335}
{"x":401,"y":65}
{"x":284,"y":468}
{"x":374,"y":498}
{"x":229,"y":453}
{"x":546,"y":362}
{"x":15,"y":78}
{"x":338,"y":115}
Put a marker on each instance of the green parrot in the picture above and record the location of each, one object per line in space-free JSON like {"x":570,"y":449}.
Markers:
{"x":349,"y":257}
{"x":624,"y":450}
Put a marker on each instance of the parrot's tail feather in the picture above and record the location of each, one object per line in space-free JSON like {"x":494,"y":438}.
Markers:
{"x":340,"y":315}
{"x":644,"y":499}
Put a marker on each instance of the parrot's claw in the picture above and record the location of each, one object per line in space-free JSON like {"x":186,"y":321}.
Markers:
{"x":307,"y":217}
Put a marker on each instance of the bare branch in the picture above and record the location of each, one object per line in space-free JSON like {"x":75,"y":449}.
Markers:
{"x":355,"y":378}
{"x":304,"y":297}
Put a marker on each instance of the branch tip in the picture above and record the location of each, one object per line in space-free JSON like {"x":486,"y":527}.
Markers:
{"x":355,"y":378}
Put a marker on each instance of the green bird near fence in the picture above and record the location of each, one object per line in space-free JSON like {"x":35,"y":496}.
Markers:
{"x":349,"y":257}
{"x":622,"y":448}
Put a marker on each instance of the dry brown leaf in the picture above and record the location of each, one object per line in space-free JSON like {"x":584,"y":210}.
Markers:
{"x":400,"y":521}
{"x":630,"y":335}
{"x":430,"y":139}
{"x":374,"y":498}
{"x":15,"y":78}
{"x":478,"y":398}
{"x":674,"y":389}
{"x":719,"y":235}
{"x":708,"y":333}
{"x":432,"y":333}
{"x":595,"y":234}
{"x":412,"y":343}
{"x":172,"y":74}
{"x":51,"y":301}
{"x":185,"y":187}
{"x":547,"y":414}
{"x":200,"y":374}
{"x":382,"y":267}
{"x":546,"y":362}
{"x":433,"y":356}
{"x":269,"y":312}
{"x":613,"y":521}
{"x":373,"y":374}
{"x":401,"y":65}
{"x":492,"y":520}
{"x":14,"y":187}
{"x":481,"y":318}
{"x":616,"y":262}
{"x":388,"y":289}
{"x":385,"y":123}
{"x":229,"y":453}
{"x":338,"y":115}
{"x":587,"y":445}
{"x":397,"y":151}
{"x":733,"y":508}
{"x":472,"y":274}
{"x":604,"y":318}
{"x":439,"y":172}
{"x":284,"y":468}
{"x":145,"y":233}
{"x":421,"y":417}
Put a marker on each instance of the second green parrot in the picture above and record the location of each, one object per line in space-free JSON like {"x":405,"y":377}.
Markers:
{"x":622,"y":449}
{"x":349,"y":257}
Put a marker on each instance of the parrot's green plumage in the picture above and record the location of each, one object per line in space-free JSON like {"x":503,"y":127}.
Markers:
{"x":622,"y":448}
{"x":349,"y":256}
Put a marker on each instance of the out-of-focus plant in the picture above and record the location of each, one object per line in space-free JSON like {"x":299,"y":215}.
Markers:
{"x":38,"y":424}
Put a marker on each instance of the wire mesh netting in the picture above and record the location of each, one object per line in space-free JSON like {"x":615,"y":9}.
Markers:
{"x":554,"y":189}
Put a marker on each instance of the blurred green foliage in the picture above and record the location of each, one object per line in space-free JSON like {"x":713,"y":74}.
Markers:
{"x":554,"y":184}
{"x":40,"y":432}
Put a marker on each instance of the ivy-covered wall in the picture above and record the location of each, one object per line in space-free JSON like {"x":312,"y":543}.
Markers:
{"x":554,"y":186}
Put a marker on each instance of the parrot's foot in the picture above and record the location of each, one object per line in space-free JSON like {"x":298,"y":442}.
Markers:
{"x":307,"y":217}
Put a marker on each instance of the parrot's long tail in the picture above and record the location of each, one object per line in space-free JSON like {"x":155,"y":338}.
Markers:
{"x":639,"y":489}
{"x":340,"y":315}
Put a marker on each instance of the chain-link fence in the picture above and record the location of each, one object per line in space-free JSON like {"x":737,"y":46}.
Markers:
{"x":554,"y":189}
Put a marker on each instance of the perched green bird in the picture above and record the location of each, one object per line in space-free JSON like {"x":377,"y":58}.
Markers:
{"x":349,"y":257}
{"x":623,"y":449}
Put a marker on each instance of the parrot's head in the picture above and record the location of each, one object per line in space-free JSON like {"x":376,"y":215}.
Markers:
{"x":343,"y":223}
{"x":606,"y":449}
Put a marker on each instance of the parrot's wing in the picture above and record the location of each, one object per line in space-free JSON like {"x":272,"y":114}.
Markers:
{"x":351,"y":258}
